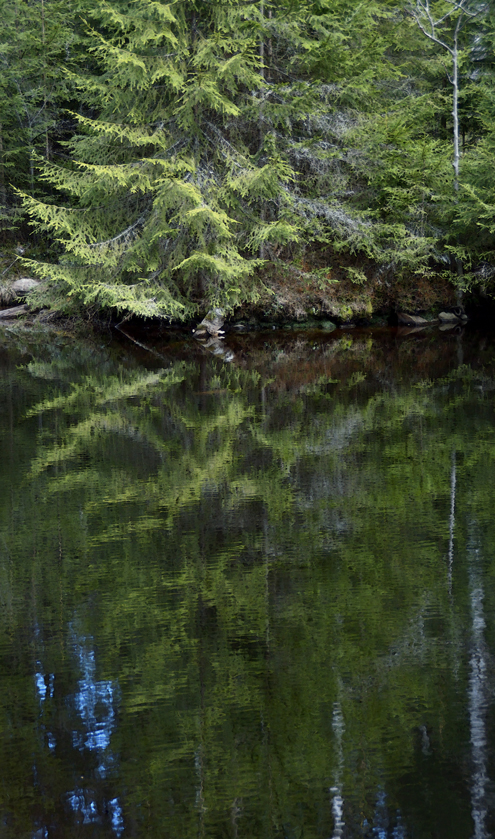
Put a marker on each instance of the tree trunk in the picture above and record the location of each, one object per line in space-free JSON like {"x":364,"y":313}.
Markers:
{"x":457,"y":151}
{"x":428,"y":26}
{"x":3,"y":191}
{"x":260,"y":116}
{"x":45,"y":100}
{"x":455,"y":112}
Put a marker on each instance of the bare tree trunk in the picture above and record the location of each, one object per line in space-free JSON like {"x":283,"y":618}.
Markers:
{"x":3,"y":191}
{"x":45,"y":100}
{"x":457,"y":152}
{"x":455,"y":111}
{"x":260,"y":115}
{"x":423,"y":17}
{"x":262,"y":74}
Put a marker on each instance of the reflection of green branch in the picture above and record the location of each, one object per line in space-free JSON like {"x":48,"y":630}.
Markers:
{"x":178,"y":483}
{"x":83,"y":433}
{"x":112,"y":389}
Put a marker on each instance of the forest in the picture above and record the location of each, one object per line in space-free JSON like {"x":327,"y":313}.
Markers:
{"x":159,"y":159}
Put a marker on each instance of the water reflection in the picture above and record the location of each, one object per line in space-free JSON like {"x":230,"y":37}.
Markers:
{"x":336,"y":790}
{"x":248,"y":599}
{"x":42,"y":689}
{"x":478,"y":698}
{"x":381,"y":821}
{"x":95,"y":704}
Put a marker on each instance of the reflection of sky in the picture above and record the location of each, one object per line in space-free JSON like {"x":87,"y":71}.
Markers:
{"x":381,"y":821}
{"x":45,"y":690}
{"x":380,"y":827}
{"x":41,"y":687}
{"x":94,"y":703}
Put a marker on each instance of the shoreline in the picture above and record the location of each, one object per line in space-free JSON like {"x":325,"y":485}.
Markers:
{"x":327,"y":293}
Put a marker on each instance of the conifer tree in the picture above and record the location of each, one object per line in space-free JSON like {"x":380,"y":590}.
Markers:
{"x":179,"y":180}
{"x":207,"y":140}
{"x":414,"y":176}
{"x":37,"y":40}
{"x":212,"y":135}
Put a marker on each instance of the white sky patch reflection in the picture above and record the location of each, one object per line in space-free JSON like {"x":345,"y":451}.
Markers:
{"x":94,"y":702}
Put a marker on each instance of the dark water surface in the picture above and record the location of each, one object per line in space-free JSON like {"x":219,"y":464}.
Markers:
{"x":248,"y":599}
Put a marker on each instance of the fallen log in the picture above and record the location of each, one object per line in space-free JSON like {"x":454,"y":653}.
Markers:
{"x":13,"y":312}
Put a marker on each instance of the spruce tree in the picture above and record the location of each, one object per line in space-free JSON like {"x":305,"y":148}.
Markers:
{"x":416,"y":149}
{"x":179,"y":182}
{"x":208,"y":140}
{"x":212,"y":136}
{"x":37,"y":42}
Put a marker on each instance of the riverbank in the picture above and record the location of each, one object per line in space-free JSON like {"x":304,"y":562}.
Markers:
{"x":334,"y":287}
{"x":325,"y":288}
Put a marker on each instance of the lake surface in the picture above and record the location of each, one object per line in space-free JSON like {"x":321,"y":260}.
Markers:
{"x":247,"y":598}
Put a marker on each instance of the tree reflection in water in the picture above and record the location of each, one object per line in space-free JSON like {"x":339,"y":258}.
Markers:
{"x":479,"y":704}
{"x":237,"y":596}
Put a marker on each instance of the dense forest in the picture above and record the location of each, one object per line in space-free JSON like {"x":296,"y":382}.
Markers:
{"x":156,"y":158}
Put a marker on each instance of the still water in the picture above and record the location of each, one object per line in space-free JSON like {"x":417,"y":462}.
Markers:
{"x":252,"y":598}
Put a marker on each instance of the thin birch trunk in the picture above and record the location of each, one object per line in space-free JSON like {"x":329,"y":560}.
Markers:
{"x":3,"y":190}
{"x":45,"y":99}
{"x":423,"y":16}
{"x":260,"y":115}
{"x":457,"y":151}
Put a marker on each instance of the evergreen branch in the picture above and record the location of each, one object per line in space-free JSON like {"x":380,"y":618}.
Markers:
{"x":9,"y":266}
{"x":225,"y":142}
{"x":121,"y":235}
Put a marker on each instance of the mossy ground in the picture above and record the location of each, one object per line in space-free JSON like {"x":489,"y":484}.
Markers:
{"x":335,"y":286}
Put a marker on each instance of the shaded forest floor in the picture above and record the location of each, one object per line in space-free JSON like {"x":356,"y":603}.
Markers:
{"x":344,"y":289}
{"x":321,"y":286}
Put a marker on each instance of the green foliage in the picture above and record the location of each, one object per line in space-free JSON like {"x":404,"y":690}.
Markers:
{"x":39,"y":43}
{"x":209,"y":150}
{"x":177,"y":185}
{"x":171,"y":149}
